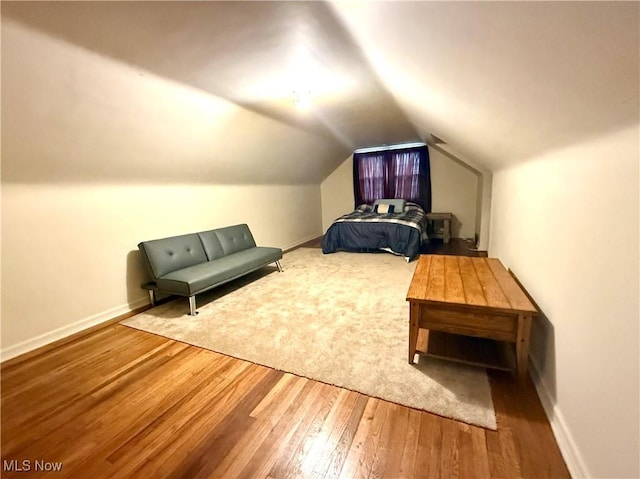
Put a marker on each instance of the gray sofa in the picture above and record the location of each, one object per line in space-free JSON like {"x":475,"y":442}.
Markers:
{"x":190,"y":264}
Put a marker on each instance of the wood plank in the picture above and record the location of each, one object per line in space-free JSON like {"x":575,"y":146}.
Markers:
{"x":491,"y":288}
{"x":371,"y":457}
{"x":330,"y":433}
{"x":254,"y":451}
{"x":480,"y":463}
{"x":419,"y":282}
{"x":452,"y":451}
{"x":272,"y":399}
{"x":453,"y":291}
{"x":430,"y":448}
{"x":338,"y":456}
{"x":304,"y":453}
{"x":209,"y":419}
{"x":190,"y":451}
{"x":470,"y":283}
{"x":410,"y":450}
{"x":414,"y":327}
{"x":423,"y":340}
{"x":435,"y":286}
{"x":354,"y":465}
{"x":528,"y":430}
{"x":514,"y":294}
{"x":475,"y":323}
{"x":293,"y":450}
{"x":89,"y":401}
{"x":387,"y":458}
{"x":522,"y":344}
{"x":394,"y":447}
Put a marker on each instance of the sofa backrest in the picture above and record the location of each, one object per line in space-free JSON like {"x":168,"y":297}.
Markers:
{"x":211,"y":244}
{"x":165,"y":255}
{"x":235,"y":238}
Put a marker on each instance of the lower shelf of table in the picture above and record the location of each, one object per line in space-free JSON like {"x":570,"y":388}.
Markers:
{"x":483,"y":352}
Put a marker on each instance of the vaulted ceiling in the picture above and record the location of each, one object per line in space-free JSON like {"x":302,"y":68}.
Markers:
{"x":496,"y":82}
{"x":504,"y":81}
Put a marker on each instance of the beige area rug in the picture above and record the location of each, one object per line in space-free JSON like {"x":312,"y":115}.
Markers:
{"x":341,"y":319}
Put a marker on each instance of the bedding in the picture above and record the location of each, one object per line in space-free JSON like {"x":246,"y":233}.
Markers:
{"x":401,"y":232}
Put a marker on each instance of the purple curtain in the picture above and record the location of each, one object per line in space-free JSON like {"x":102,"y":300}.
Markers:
{"x":403,"y":173}
{"x":372,"y":177}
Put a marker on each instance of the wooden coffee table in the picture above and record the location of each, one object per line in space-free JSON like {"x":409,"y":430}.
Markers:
{"x":458,"y":299}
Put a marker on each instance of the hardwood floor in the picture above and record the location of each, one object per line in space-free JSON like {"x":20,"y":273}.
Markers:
{"x":124,"y":403}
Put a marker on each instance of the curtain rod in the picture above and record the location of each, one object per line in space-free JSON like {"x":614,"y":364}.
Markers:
{"x":389,"y":147}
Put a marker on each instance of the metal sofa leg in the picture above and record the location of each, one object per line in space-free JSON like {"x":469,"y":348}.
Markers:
{"x":192,"y":306}
{"x":279,"y":266}
{"x":152,"y":297}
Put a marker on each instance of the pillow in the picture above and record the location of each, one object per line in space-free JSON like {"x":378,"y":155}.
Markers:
{"x":412,"y":206}
{"x":398,"y":203}
{"x":384,"y":208}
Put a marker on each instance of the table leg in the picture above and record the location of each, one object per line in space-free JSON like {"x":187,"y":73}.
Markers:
{"x":522,"y":345}
{"x":414,"y":323}
{"x":446,"y":233}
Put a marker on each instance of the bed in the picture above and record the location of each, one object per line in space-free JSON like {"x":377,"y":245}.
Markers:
{"x":400,"y":230}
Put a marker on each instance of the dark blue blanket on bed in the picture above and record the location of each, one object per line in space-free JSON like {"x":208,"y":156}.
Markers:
{"x":364,"y":230}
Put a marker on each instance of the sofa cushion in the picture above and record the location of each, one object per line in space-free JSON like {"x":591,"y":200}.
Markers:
{"x":200,"y":277}
{"x":235,"y":238}
{"x":257,"y":257}
{"x":171,"y":254}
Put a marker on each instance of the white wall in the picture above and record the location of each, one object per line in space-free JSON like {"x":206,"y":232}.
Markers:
{"x":69,"y":251}
{"x":98,"y":156}
{"x":567,"y":224}
{"x":337,"y":193}
{"x":454,"y":189}
{"x":483,"y":198}
{"x":70,"y":114}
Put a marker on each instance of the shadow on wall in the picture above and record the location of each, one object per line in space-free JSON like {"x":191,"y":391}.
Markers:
{"x":136,"y":276}
{"x":542,"y":352}
{"x":456,"y":227}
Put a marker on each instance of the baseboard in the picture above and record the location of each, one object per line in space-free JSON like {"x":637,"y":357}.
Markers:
{"x":104,"y":318}
{"x":568,"y":448}
{"x":300,"y":243}
{"x":112,"y":315}
{"x":66,"y":332}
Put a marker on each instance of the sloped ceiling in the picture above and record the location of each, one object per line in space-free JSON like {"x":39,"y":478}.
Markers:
{"x":255,"y":55}
{"x":498,"y":82}
{"x":502,"y":82}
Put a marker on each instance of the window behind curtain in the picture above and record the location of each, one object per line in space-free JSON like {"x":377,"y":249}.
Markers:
{"x":373,"y":177}
{"x":399,"y":173}
{"x":405,"y":177}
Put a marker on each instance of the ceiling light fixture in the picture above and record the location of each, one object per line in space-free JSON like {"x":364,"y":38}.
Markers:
{"x":302,"y":99}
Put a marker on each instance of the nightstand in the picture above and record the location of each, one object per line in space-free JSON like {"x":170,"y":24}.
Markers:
{"x":439,"y":226}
